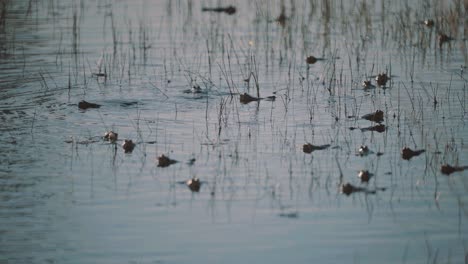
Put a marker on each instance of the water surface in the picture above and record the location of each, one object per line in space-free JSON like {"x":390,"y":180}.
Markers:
{"x":69,"y":196}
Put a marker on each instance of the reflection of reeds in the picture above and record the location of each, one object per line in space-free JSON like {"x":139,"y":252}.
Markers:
{"x":3,"y":14}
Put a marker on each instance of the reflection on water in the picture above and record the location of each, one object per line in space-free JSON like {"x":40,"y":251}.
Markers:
{"x":270,"y":181}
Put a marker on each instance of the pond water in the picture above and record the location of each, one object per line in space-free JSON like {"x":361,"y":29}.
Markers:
{"x":168,"y":76}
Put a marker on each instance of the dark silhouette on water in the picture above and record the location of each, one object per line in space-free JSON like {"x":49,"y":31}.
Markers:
{"x":230,"y":10}
{"x":348,"y":189}
{"x":165,"y":161}
{"x":448,"y":169}
{"x":111,"y":136}
{"x":378,"y":128}
{"x":308,"y":148}
{"x":194,"y":184}
{"x":246,"y":98}
{"x":377,"y":116}
{"x":196,"y":89}
{"x":365,"y":175}
{"x":363,"y":150}
{"x":407,"y":153}
{"x":312,"y":59}
{"x":289,"y":215}
{"x":443,"y":38}
{"x":382,"y":79}
{"x":428,"y":22}
{"x":282,"y":18}
{"x":128,"y":145}
{"x":367,"y":84}
{"x":85,"y":105}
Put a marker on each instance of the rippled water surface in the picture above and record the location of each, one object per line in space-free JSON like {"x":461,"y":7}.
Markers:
{"x":169,"y":77}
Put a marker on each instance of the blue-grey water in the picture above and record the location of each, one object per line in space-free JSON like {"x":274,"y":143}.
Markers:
{"x":69,"y":196}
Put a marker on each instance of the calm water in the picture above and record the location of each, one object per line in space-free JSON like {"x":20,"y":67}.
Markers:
{"x":68,"y":196}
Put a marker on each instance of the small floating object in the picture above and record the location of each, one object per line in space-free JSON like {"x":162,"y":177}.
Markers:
{"x":443,"y":38}
{"x":308,"y":148}
{"x":99,"y":74}
{"x":246,"y":98}
{"x":289,"y":215}
{"x":364,"y":175}
{"x":382,"y":79}
{"x":312,"y":60}
{"x":111,"y":136}
{"x":428,"y":22}
{"x":164,"y":161}
{"x":230,"y":10}
{"x":377,"y":116}
{"x":191,"y":161}
{"x":367,"y":84}
{"x":348,"y":188}
{"x":85,"y":105}
{"x":196,"y":89}
{"x":194,"y":184}
{"x":447,"y":169}
{"x":128,"y":145}
{"x":363,"y":150}
{"x":281,"y":19}
{"x":380,"y":128}
{"x":407,"y":153}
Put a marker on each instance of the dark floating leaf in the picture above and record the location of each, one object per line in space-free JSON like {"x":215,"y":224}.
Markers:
{"x":448,"y":169}
{"x":230,"y":10}
{"x":377,"y":116}
{"x":308,"y":148}
{"x":164,"y":161}
{"x":407,"y":153}
{"x":85,"y":105}
{"x":128,"y":145}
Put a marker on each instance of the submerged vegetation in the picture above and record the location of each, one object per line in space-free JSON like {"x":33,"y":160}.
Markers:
{"x":234,"y":87}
